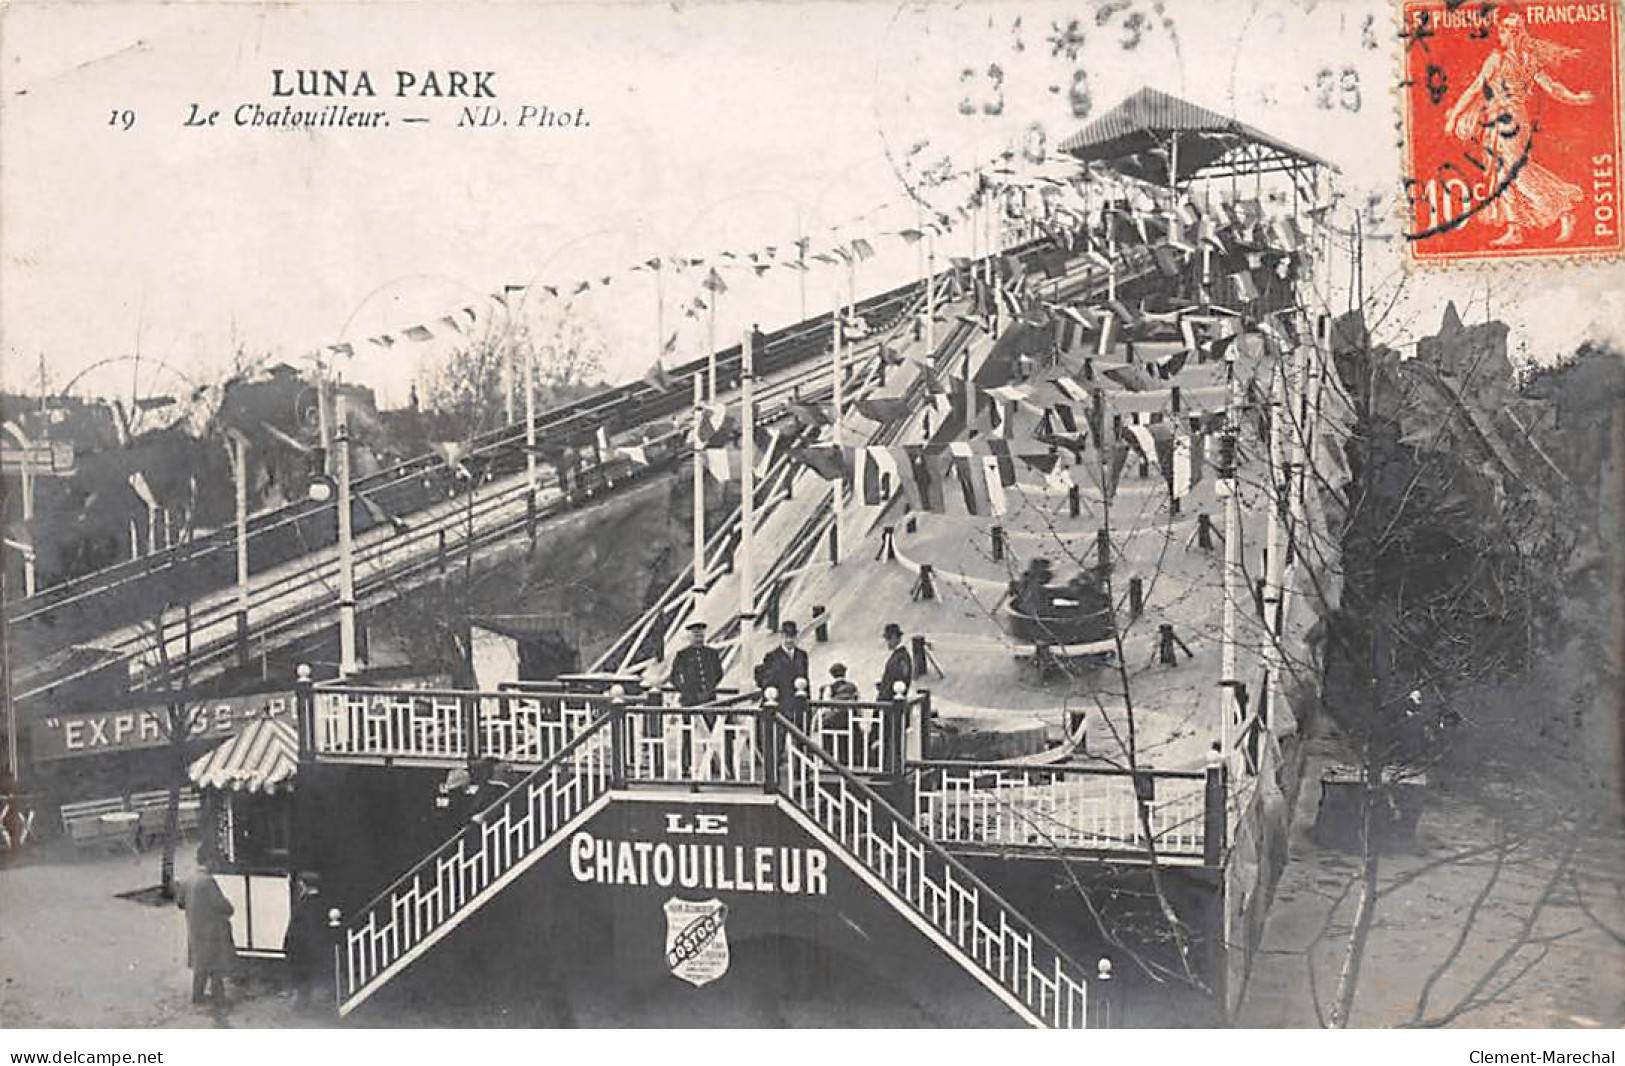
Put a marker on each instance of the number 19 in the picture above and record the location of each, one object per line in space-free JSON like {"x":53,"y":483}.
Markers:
{"x":123,"y":118}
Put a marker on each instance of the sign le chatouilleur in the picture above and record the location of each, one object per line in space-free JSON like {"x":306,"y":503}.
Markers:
{"x":692,"y":859}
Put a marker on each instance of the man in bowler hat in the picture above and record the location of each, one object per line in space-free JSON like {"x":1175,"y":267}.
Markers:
{"x":780,"y":668}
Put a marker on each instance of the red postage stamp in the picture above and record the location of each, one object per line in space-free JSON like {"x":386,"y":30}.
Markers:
{"x":1512,"y":129}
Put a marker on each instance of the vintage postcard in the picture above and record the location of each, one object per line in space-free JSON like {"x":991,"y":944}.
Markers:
{"x":1071,"y":514}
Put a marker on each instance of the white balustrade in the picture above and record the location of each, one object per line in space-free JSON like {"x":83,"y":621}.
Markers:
{"x":1038,"y":807}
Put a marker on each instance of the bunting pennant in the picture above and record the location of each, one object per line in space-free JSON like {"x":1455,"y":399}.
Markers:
{"x":810,"y":415}
{"x":657,"y":378}
{"x":910,"y":236}
{"x":883,"y":473}
{"x":1182,"y":477}
{"x":972,"y":487}
{"x":1044,"y":464}
{"x":344,"y":349}
{"x":862,"y":249}
{"x":638,"y":453}
{"x":722,"y":463}
{"x":383,"y":340}
{"x":883,"y":409}
{"x":1112,"y":461}
{"x":600,"y":440}
{"x":993,"y":484}
{"x":922,"y":470}
{"x":418,"y":333}
{"x":828,"y":461}
{"x":767,"y":443}
{"x":452,"y":324}
{"x":1069,"y":388}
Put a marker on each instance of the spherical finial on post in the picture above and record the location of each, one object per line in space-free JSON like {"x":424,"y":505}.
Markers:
{"x":335,"y":918}
{"x":303,"y":672}
{"x":770,"y":695}
{"x":801,"y":687}
{"x":617,"y":693}
{"x":1103,"y":970}
{"x":899,"y":690}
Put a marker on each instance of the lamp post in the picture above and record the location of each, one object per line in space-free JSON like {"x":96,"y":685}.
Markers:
{"x":747,"y":501}
{"x":30,"y":577}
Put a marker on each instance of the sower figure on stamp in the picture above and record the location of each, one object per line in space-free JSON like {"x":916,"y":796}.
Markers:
{"x":696,"y":671}
{"x":1498,"y":110}
{"x":209,"y":948}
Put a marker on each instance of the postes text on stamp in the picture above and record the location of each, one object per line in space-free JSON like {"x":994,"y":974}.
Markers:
{"x":1512,"y":129}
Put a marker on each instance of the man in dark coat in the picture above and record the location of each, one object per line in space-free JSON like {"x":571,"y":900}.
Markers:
{"x":209,"y":948}
{"x":306,"y":942}
{"x":899,"y":667}
{"x":780,"y":668}
{"x":696,"y":670}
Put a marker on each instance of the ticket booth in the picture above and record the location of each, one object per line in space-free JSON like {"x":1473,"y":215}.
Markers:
{"x":247,"y":785}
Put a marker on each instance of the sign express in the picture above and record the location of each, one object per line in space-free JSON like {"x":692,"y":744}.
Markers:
{"x":64,"y":736}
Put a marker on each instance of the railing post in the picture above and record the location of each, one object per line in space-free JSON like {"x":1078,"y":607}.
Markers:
{"x":923,"y":749}
{"x":1102,"y":995}
{"x":1215,"y":822}
{"x":304,"y":697}
{"x":895,"y":728}
{"x":767,"y":735}
{"x":471,"y":727}
{"x":617,"y":737}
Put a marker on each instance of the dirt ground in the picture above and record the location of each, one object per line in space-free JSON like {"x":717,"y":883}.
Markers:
{"x":1507,"y":909}
{"x":85,"y":957}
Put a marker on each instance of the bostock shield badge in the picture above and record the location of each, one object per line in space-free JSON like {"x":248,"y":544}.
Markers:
{"x":697,"y":940}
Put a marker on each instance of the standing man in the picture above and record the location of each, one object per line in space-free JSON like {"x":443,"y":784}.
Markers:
{"x":306,"y":941}
{"x":780,"y":668}
{"x":899,"y":667}
{"x":696,"y":670}
{"x":209,"y":948}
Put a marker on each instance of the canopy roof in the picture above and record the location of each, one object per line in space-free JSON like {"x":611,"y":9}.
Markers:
{"x":1137,"y":136}
{"x":264,"y":757}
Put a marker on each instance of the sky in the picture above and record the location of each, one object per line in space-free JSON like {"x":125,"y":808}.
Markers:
{"x":141,"y":258}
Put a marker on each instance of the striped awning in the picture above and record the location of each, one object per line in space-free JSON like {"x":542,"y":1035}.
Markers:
{"x":262,"y":758}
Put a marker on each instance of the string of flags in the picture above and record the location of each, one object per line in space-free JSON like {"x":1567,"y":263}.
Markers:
{"x":1177,"y":230}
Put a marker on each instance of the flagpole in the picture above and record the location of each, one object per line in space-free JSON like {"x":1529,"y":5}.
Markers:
{"x":1232,"y":568}
{"x":930,"y":295}
{"x":347,"y":643}
{"x":660,"y":319}
{"x":801,"y":260}
{"x":837,"y":381}
{"x":699,"y":494}
{"x":530,"y":426}
{"x":711,"y":344}
{"x":747,"y":501}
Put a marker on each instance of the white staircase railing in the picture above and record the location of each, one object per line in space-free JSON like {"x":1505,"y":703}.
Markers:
{"x":451,"y":882}
{"x":1024,"y":966}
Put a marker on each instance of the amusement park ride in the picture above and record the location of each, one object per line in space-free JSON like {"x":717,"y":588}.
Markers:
{"x":1082,"y":494}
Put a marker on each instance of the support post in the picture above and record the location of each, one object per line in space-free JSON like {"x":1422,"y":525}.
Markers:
{"x":767,"y":736}
{"x":747,"y":497}
{"x":700,"y":576}
{"x":239,"y":469}
{"x":837,"y":385}
{"x":304,"y":696}
{"x":531,"y":486}
{"x":1214,"y":818}
{"x":347,"y":646}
